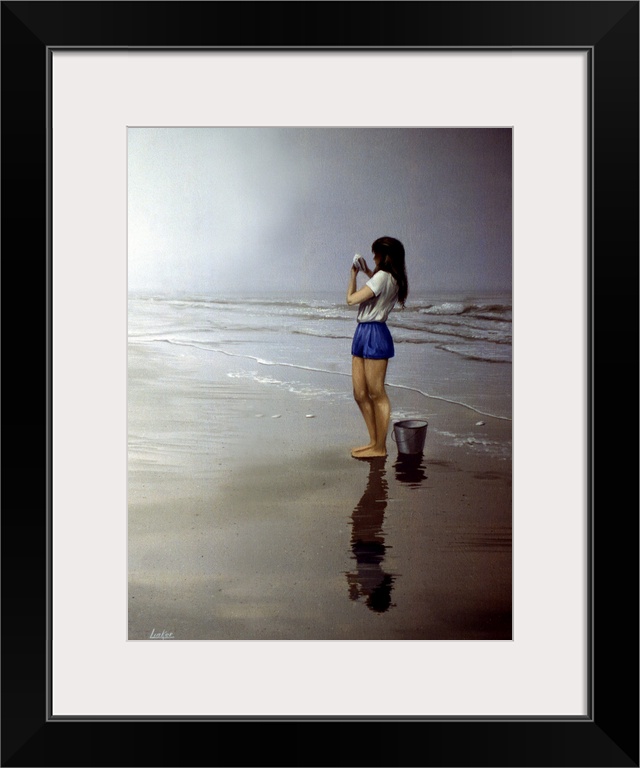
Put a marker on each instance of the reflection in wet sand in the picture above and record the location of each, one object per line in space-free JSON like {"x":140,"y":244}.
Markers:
{"x":410,"y":469}
{"x":370,"y":581}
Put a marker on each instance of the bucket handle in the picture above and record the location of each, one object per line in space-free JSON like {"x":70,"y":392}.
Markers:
{"x":393,"y":432}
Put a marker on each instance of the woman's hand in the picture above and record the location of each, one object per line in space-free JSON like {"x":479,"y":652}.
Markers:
{"x":361,"y":265}
{"x":364,"y":267}
{"x":353,"y":295}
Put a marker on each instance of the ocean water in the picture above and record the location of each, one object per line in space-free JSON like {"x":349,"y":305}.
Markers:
{"x":453,"y":347}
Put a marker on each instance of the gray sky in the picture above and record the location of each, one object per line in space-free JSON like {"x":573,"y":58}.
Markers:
{"x":262,"y":209}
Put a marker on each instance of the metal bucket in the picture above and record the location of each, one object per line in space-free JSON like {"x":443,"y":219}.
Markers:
{"x":410,"y":435}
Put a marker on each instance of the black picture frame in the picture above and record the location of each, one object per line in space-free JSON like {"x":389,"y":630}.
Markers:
{"x":608,"y":736}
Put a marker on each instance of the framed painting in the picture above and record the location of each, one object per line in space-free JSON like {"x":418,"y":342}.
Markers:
{"x":269,"y":341}
{"x":471,"y":652}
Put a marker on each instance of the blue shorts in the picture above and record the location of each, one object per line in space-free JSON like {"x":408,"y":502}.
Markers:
{"x":372,"y":341}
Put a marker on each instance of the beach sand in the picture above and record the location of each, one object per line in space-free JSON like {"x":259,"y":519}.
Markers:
{"x":250,"y":520}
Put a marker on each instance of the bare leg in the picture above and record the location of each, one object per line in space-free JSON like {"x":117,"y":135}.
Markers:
{"x":361,"y":396}
{"x":375,"y":372}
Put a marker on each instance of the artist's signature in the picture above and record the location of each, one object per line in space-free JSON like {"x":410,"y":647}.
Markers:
{"x":163,"y":635}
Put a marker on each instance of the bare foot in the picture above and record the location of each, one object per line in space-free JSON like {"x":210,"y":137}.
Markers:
{"x":362,"y":448}
{"x":369,"y":453}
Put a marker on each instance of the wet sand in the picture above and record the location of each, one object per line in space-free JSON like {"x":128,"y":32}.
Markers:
{"x":250,"y":520}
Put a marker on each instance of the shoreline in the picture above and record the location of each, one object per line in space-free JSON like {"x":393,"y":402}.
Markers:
{"x":299,"y":367}
{"x":249,"y":519}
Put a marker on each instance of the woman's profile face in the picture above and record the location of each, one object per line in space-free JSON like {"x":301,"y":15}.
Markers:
{"x":377,"y":258}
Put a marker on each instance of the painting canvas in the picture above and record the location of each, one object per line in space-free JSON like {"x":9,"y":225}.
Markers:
{"x":249,"y":516}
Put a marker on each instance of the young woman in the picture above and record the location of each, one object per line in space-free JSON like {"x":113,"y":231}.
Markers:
{"x":372,"y":343}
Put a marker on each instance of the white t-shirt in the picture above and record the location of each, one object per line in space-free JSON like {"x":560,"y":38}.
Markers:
{"x":377,"y":308}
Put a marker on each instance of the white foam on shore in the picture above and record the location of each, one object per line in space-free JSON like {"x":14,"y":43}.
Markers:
{"x":262,"y":361}
{"x":296,"y":387}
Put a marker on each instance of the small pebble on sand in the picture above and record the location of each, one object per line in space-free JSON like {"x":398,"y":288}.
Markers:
{"x":310,"y":416}
{"x":480,"y":423}
{"x":276,"y":416}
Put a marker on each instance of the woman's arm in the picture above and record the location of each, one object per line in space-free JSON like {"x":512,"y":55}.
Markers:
{"x":354,"y":296}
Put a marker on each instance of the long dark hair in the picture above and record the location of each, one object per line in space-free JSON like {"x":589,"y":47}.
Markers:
{"x":392,"y":253}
